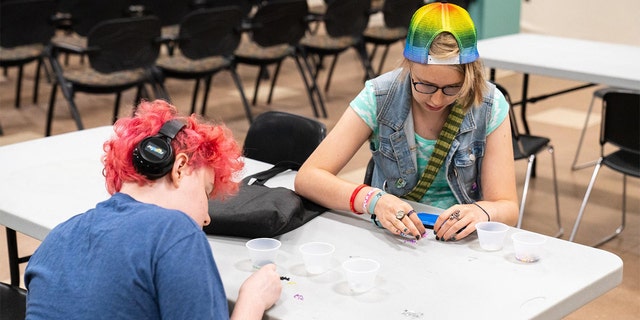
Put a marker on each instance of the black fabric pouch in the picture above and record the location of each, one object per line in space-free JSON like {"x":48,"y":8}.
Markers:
{"x":260,"y":211}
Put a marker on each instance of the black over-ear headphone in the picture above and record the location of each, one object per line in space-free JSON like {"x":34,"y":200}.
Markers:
{"x":153,"y":157}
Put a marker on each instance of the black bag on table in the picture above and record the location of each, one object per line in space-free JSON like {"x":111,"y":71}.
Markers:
{"x":259,"y":211}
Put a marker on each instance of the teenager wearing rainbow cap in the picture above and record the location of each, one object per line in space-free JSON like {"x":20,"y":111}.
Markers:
{"x":438,"y":132}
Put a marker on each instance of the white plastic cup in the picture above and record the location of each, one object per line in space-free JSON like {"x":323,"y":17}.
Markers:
{"x":491,"y":235}
{"x":528,"y":246}
{"x":263,"y":251}
{"x":317,"y":256}
{"x":361,"y":273}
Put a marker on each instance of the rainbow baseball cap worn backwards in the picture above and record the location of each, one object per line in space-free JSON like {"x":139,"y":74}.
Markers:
{"x":431,"y":20}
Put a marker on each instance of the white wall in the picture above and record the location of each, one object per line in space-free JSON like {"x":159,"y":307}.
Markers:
{"x":616,"y":21}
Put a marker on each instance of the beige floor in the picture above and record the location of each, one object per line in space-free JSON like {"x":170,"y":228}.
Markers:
{"x":560,"y":118}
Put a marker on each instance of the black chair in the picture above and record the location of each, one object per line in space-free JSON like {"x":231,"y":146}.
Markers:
{"x":527,"y":146}
{"x":344,"y":22}
{"x":13,"y":302}
{"x":122,"y":54}
{"x":277,"y":136}
{"x":78,"y":17}
{"x":598,"y":94}
{"x":206,"y":42}
{"x":26,"y":28}
{"x":275,"y":31}
{"x":620,"y":128}
{"x":397,"y":16}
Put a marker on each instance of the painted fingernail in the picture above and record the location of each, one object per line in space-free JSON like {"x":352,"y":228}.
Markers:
{"x":418,"y":237}
{"x":437,"y":238}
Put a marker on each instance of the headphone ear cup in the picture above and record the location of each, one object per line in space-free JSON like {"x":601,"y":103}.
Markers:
{"x":153,"y":157}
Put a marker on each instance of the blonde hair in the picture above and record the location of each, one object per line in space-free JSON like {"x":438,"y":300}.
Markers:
{"x":474,"y":85}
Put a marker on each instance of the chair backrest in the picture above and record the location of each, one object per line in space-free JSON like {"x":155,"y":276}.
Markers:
{"x":347,"y":17}
{"x":515,"y":131}
{"x":124,"y":44}
{"x":86,"y":14}
{"x":210,"y":32}
{"x":170,"y":12}
{"x":13,"y":302}
{"x":25,"y":22}
{"x":276,"y":136}
{"x":245,"y":5}
{"x":398,"y":13}
{"x":279,"y":22}
{"x":620,"y":124}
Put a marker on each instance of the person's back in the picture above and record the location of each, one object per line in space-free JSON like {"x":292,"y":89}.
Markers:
{"x":125,"y":259}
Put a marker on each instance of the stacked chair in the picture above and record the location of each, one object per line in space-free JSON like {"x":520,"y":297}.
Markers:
{"x":344,"y":22}
{"x":273,"y":34}
{"x":26,"y":29}
{"x":397,"y":16}
{"x":122,"y":53}
{"x":620,"y":130}
{"x":205,"y":44}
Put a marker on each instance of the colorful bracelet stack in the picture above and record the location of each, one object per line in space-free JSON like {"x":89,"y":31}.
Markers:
{"x":367,"y":197}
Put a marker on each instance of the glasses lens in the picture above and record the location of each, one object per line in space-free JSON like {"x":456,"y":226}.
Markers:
{"x":451,"y":90}
{"x":424,"y":88}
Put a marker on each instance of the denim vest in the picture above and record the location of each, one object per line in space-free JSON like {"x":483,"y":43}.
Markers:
{"x":395,"y":168}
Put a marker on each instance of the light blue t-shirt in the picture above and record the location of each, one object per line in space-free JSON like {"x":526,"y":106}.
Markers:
{"x":125,"y":260}
{"x":439,"y":194}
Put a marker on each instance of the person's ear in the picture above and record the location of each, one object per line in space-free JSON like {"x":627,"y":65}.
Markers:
{"x":179,"y":169}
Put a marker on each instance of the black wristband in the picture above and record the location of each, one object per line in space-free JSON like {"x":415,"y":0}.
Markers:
{"x":483,"y":210}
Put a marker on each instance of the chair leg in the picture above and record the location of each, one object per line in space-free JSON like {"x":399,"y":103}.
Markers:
{"x":555,"y":191}
{"x":196,"y":88}
{"x":255,"y":88}
{"x":37,"y":81}
{"x":116,"y":107}
{"x":585,"y":200}
{"x":364,"y":59}
{"x":14,"y":264}
{"x":310,"y":88}
{"x":245,"y":103}
{"x":574,"y":165}
{"x":313,"y":84}
{"x":205,"y":96}
{"x":18,"y":87}
{"x":330,"y":74}
{"x":67,"y":91}
{"x":383,"y":58}
{"x":52,"y":103}
{"x":525,"y":190}
{"x":273,"y":81}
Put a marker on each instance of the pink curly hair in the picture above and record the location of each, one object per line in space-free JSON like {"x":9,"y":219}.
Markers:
{"x":206,"y":144}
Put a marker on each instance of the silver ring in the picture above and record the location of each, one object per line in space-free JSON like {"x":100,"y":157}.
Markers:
{"x":400,"y":214}
{"x":455,"y":215}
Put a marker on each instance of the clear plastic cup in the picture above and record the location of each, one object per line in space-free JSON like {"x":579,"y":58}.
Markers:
{"x":361,"y":273}
{"x":317,"y":256}
{"x":528,"y":246}
{"x":491,"y":235}
{"x":263,"y":251}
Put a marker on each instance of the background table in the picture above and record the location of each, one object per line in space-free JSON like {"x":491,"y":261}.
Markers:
{"x":46,"y":181}
{"x":593,"y":62}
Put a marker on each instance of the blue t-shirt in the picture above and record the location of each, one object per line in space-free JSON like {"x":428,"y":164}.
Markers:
{"x":125,"y":260}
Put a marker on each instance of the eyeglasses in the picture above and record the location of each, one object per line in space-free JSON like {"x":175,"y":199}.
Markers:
{"x":431,"y":89}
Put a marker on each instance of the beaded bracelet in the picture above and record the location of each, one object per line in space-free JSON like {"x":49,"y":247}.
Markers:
{"x":353,"y":198}
{"x":367,"y":197}
{"x":374,"y":201}
{"x":483,"y":210}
